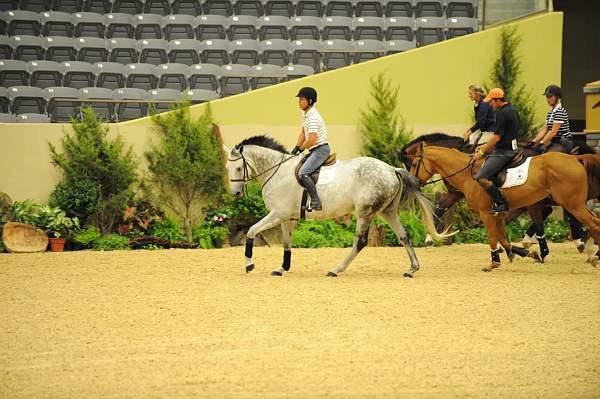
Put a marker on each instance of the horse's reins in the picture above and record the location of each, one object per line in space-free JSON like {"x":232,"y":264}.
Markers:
{"x":246,"y":178}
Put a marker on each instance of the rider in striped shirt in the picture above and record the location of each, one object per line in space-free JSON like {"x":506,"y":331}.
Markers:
{"x":556,"y":130}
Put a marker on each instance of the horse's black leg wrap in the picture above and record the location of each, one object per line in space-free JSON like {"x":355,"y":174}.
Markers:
{"x":363,"y":239}
{"x":495,"y":256}
{"x":287,"y":260}
{"x":544,"y":251}
{"x":522,"y":252}
{"x":249,"y":246}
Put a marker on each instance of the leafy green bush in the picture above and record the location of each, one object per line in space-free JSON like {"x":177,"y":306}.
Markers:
{"x":24,"y":212}
{"x":219,"y":232}
{"x":471,"y":236}
{"x":202,"y":235}
{"x":111,"y":242}
{"x":321,"y":233}
{"x":556,"y":230}
{"x":88,"y":237}
{"x":55,"y":222}
{"x":78,"y":196}
{"x":168,"y":229}
{"x":245,"y":211}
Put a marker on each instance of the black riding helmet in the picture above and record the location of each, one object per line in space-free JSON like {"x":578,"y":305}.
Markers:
{"x":553,"y":90}
{"x":309,"y":93}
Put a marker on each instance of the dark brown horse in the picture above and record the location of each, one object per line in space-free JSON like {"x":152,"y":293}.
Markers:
{"x":538,"y":212}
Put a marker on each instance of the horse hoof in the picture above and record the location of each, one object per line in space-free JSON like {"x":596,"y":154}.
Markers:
{"x":331,"y":274}
{"x":500,"y":250}
{"x":428,"y":244}
{"x":581,"y":247}
{"x":536,"y":257}
{"x":276,"y":273}
{"x":408,"y":274}
{"x":594,"y":261}
{"x":525,"y":244}
{"x":492,"y":266}
{"x":250,"y":267}
{"x":511,"y":257}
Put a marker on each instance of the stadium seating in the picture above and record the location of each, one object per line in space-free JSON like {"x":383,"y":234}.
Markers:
{"x":202,"y":49}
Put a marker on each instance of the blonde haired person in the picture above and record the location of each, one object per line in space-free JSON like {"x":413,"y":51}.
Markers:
{"x":484,"y":114}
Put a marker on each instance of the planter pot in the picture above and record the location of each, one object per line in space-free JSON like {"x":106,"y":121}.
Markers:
{"x":217,"y":243}
{"x":57,"y":244}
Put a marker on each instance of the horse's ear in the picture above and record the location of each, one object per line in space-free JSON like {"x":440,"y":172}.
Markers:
{"x":226,"y":149}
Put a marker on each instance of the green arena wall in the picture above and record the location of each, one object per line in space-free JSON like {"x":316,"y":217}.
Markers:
{"x":433,"y":84}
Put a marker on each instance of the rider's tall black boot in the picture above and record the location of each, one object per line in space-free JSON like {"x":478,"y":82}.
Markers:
{"x":500,"y":205}
{"x":309,"y":185}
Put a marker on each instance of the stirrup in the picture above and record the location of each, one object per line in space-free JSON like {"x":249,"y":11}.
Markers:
{"x":498,"y":209}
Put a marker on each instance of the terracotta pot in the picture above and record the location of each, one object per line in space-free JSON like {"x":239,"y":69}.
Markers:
{"x":57,"y":244}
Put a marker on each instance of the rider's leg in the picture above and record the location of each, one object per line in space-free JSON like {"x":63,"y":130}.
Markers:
{"x":490,"y":168}
{"x":312,"y":163}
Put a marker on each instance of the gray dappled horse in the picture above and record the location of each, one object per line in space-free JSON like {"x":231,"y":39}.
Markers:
{"x":365,"y":186}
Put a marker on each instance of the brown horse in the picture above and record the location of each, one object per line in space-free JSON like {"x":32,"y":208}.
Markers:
{"x":553,"y":174}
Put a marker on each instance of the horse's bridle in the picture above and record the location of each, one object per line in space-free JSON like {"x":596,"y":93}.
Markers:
{"x":247,"y":178}
{"x":470,"y":164}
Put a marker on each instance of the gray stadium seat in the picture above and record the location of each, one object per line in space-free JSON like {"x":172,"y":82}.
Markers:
{"x":104,"y":109}
{"x":78,"y":74}
{"x":399,"y":28}
{"x":131,"y":7}
{"x":284,"y":8}
{"x":211,"y":27}
{"x":153,"y":51}
{"x":273,"y":27}
{"x":297,"y":71}
{"x":184,"y":51}
{"x":141,"y":76}
{"x":337,"y":28}
{"x":26,"y":99}
{"x":4,"y":100}
{"x":126,"y":111}
{"x":68,"y":6}
{"x":62,"y":103}
{"x":199,"y":96}
{"x":59,"y":49}
{"x":242,"y":27}
{"x":160,"y":7}
{"x":339,"y":8}
{"x":8,"y":118}
{"x":56,"y":23}
{"x":394,"y":8}
{"x":234,"y":79}
{"x":33,"y":5}
{"x":275,"y":52}
{"x":244,"y":52}
{"x":428,"y":8}
{"x":32,"y":118}
{"x":215,"y":51}
{"x":266,"y":75}
{"x":13,"y":73}
{"x":365,"y":50}
{"x":460,"y":26}
{"x":110,"y":75}
{"x":305,"y":28}
{"x":20,"y":22}
{"x":91,"y":49}
{"x":8,"y":5}
{"x":310,"y":8}
{"x":123,"y":51}
{"x":179,"y":26}
{"x":337,"y":53}
{"x":98,"y":6}
{"x":44,"y":74}
{"x":429,"y":30}
{"x":119,"y":25}
{"x":306,"y":52}
{"x":148,"y":26}
{"x":28,"y":48}
{"x":398,"y":46}
{"x":368,"y":28}
{"x":248,"y":7}
{"x":172,"y":76}
{"x":3,"y":22}
{"x":164,"y":94}
{"x":204,"y":77}
{"x":368,"y":8}
{"x":190,"y":7}
{"x":88,"y":24}
{"x":6,"y":47}
{"x":217,"y":7}
{"x":461,"y":8}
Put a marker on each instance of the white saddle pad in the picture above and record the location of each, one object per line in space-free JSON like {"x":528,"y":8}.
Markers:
{"x":327,"y":173}
{"x":517,"y":176}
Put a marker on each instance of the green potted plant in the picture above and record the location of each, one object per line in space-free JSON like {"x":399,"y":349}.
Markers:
{"x":57,"y":226}
{"x":218,"y":235}
{"x":202,"y":235}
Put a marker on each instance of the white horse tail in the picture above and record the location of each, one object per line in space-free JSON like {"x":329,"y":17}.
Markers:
{"x":411,"y":190}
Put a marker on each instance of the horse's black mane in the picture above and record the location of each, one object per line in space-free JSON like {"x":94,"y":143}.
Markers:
{"x":262,"y":141}
{"x":443,"y":139}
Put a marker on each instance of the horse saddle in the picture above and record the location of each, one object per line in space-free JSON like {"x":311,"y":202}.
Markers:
{"x":331,"y":159}
{"x":514,"y":172}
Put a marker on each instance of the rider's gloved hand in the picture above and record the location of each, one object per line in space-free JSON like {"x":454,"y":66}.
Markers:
{"x":296,"y":150}
{"x":539,"y":149}
{"x":530,"y":144}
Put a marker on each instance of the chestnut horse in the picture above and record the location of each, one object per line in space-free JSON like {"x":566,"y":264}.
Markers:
{"x":553,"y":174}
